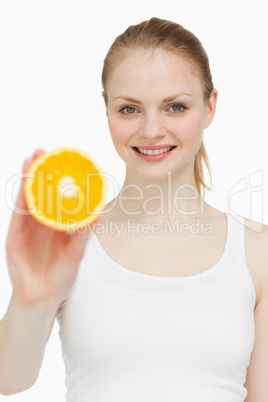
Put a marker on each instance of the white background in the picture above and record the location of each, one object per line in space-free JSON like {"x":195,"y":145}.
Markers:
{"x":50,"y":96}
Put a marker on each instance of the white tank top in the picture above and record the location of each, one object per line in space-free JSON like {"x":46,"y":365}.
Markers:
{"x":133,"y":337}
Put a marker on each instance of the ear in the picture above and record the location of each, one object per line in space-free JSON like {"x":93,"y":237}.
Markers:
{"x":103,"y":95}
{"x":211,"y":107}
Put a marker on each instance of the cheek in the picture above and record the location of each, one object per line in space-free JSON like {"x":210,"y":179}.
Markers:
{"x":191,"y":129}
{"x":121,"y":130}
{"x":120,"y":134}
{"x":116,"y":130}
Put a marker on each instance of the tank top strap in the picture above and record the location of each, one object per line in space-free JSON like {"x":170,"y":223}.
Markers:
{"x":236,"y":233}
{"x":237,"y":252}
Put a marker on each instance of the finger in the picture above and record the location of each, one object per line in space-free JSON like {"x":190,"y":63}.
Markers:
{"x":38,"y":152}
{"x":20,"y":203}
{"x":27,"y":162}
{"x":20,"y":206}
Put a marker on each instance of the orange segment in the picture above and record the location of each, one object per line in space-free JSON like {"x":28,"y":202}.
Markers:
{"x":65,"y":189}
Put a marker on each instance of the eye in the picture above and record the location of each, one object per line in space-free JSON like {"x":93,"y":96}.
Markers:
{"x":127,"y":110}
{"x":177,"y":108}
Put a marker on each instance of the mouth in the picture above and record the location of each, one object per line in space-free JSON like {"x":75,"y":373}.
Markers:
{"x":154,"y":153}
{"x":154,"y":150}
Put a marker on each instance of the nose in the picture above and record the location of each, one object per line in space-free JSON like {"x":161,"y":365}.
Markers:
{"x":152,"y":126}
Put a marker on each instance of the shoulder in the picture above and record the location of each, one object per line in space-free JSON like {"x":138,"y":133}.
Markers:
{"x":256,"y":250}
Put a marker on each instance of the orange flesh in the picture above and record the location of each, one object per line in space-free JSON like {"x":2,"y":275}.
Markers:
{"x":68,"y":202}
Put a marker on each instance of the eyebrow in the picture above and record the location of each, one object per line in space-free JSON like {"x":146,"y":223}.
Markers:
{"x":169,"y":99}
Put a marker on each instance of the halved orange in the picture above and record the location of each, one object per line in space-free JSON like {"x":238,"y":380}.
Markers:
{"x":65,"y":189}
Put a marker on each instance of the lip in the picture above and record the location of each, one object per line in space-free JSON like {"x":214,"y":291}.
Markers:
{"x":154,"y":158}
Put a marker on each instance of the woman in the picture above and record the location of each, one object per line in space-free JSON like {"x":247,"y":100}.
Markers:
{"x":159,"y":302}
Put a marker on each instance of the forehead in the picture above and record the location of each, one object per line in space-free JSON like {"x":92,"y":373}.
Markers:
{"x":159,"y":72}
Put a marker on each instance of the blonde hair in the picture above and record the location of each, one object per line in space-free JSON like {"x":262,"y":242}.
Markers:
{"x":170,"y":36}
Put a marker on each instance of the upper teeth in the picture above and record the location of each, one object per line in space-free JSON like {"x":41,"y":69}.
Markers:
{"x":154,"y":151}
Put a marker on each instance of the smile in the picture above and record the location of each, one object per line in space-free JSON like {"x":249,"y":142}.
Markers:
{"x":154,"y":151}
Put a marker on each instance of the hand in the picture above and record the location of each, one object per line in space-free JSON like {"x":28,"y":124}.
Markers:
{"x":43,"y":263}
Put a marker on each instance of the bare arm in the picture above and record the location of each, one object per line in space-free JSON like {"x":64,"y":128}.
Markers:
{"x":24,"y":332}
{"x":257,"y":373}
{"x":42,"y":264}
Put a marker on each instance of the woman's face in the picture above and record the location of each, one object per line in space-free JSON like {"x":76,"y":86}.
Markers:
{"x":155,"y":102}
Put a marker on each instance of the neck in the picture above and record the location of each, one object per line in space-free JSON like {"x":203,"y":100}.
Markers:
{"x":175,"y":196}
